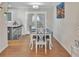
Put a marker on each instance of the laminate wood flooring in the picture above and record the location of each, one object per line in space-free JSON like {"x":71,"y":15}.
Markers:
{"x":20,"y":48}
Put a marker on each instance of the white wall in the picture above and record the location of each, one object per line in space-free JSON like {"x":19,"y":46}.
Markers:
{"x":3,"y":30}
{"x":66,"y":30}
{"x":21,"y":14}
{"x":50,"y":14}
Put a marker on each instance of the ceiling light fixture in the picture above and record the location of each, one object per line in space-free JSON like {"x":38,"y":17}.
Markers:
{"x":35,"y":6}
{"x":35,"y":3}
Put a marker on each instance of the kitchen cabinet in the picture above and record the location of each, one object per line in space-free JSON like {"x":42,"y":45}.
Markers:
{"x":14,"y":32}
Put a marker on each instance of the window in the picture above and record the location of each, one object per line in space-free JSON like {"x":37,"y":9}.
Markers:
{"x":8,"y":15}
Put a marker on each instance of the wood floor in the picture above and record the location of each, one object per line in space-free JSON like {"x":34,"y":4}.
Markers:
{"x":20,"y":48}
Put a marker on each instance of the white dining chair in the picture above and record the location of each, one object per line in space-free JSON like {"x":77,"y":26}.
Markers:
{"x":41,"y":39}
{"x":49,"y":39}
{"x":33,"y":38}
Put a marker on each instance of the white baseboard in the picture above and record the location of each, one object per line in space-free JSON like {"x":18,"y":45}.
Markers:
{"x":62,"y":44}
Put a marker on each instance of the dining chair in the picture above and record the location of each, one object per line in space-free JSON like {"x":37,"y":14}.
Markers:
{"x":40,"y":40}
{"x":49,"y":39}
{"x":33,"y":34}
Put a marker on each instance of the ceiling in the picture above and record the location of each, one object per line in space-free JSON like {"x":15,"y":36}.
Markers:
{"x":28,"y":5}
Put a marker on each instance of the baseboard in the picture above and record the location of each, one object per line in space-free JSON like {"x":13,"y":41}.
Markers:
{"x":3,"y":48}
{"x":62,"y":44}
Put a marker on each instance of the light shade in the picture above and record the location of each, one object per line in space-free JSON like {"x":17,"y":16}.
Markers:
{"x":35,"y":6}
{"x":35,"y":3}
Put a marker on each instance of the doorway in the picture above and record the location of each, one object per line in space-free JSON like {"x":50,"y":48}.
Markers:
{"x":34,"y":19}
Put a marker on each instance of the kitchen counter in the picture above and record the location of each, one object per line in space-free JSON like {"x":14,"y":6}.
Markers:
{"x":11,"y":24}
{"x":15,"y":26}
{"x":14,"y":32}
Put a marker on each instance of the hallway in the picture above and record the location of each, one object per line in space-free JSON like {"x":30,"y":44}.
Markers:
{"x":20,"y":19}
{"x":20,"y":48}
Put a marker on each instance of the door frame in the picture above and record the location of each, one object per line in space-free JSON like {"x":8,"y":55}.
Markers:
{"x":44,"y":12}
